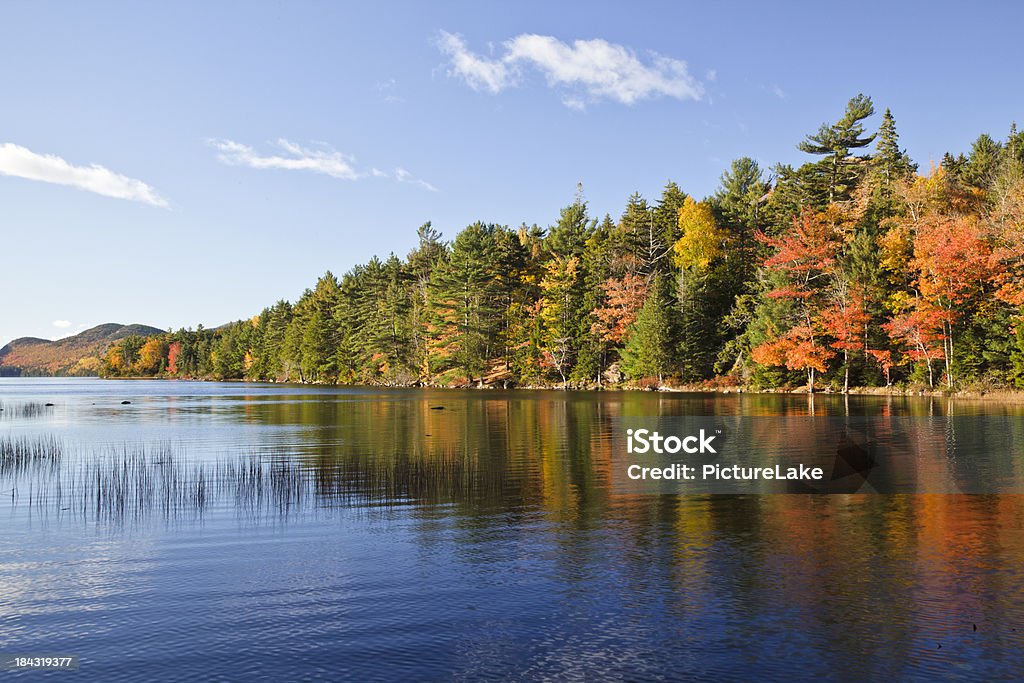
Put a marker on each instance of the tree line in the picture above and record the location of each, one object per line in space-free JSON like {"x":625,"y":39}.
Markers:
{"x":855,"y":268}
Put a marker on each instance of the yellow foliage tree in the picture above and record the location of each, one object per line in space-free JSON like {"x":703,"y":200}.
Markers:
{"x":150,"y":356}
{"x":701,"y":241}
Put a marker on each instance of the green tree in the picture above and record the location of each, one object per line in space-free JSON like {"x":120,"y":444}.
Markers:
{"x":983,"y":162}
{"x":649,"y":352}
{"x":835,"y":143}
{"x":891,"y":164}
{"x":465,"y":304}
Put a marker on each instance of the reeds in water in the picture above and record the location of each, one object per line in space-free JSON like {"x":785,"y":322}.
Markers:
{"x":135,"y":482}
{"x":18,"y":454}
{"x":24,"y":410}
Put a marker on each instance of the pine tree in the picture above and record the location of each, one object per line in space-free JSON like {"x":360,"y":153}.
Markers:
{"x":740,"y":192}
{"x":640,"y":236}
{"x":983,"y":162}
{"x":465,"y":309}
{"x":666,"y":222}
{"x":698,"y":253}
{"x":430,"y":250}
{"x":648,"y":352}
{"x":1015,"y":144}
{"x":569,"y":235}
{"x":319,"y":339}
{"x":835,"y":143}
{"x":890,"y":162}
{"x":559,"y":310}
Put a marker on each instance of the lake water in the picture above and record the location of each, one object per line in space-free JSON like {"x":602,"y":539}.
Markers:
{"x":243,"y":532}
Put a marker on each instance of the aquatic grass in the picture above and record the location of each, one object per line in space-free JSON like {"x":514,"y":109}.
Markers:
{"x":18,"y":454}
{"x":27,"y":410}
{"x":134,"y":482}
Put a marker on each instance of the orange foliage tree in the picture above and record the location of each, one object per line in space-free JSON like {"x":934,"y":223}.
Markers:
{"x":173,"y":352}
{"x":919,"y":332}
{"x":845,"y":319}
{"x":952,"y":261}
{"x":806,"y":258}
{"x":623,"y":299}
{"x":151,"y":356}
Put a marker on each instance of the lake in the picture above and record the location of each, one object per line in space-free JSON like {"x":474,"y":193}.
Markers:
{"x":240,"y":531}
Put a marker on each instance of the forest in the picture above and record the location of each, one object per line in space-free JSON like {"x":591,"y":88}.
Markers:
{"x":857,"y":268}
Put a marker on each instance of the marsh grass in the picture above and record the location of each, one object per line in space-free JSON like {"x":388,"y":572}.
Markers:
{"x":134,"y":482}
{"x":18,"y":454}
{"x":12,"y":411}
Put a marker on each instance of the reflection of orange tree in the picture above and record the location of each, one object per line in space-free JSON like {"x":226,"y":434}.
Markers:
{"x":971,"y":536}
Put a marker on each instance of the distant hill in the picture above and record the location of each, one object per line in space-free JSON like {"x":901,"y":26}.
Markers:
{"x":77,"y":355}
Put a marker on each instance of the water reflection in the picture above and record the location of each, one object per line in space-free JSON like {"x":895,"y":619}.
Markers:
{"x":458,"y":535}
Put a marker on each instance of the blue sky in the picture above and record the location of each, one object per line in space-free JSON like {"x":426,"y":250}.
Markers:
{"x":186,"y":164}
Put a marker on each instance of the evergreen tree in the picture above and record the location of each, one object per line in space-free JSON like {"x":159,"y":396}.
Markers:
{"x":319,"y":336}
{"x":666,"y":223}
{"x":890,"y":163}
{"x":983,"y":163}
{"x":954,"y":165}
{"x":697,"y":253}
{"x":640,"y":237}
{"x":649,"y":352}
{"x":569,"y":235}
{"x":835,"y":142}
{"x":465,"y":305}
{"x":430,"y":250}
{"x":1015,"y":144}
{"x":740,"y":192}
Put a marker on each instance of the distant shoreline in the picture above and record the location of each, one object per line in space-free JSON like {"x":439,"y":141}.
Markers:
{"x":1002,"y":395}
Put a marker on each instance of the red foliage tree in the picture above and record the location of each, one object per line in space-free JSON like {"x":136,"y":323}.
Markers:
{"x":623,"y":299}
{"x":920,"y":330}
{"x":173,"y":352}
{"x":845,"y":319}
{"x":953,"y":261}
{"x":806,"y":256}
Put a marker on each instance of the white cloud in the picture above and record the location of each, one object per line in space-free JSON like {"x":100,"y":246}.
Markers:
{"x":478,"y":72}
{"x":573,"y":102}
{"x":597,"y":68}
{"x":62,"y":324}
{"x":388,"y":90}
{"x":19,"y":162}
{"x":294,"y":157}
{"x":403,"y":176}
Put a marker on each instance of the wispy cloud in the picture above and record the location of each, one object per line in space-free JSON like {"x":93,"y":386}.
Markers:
{"x":596,"y":68}
{"x":62,"y":324}
{"x":388,"y":90}
{"x":20,"y":162}
{"x":479,"y":73}
{"x":403,"y":176}
{"x":290,"y":156}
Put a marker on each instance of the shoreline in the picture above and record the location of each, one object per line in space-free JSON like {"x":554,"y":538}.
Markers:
{"x":995,"y":394}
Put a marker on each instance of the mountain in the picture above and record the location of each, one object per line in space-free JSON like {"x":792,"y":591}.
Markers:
{"x":76,"y":355}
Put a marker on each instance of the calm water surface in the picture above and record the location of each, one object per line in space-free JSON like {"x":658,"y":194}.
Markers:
{"x":235,"y":531}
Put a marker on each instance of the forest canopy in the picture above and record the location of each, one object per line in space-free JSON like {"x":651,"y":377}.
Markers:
{"x":856,"y":268}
